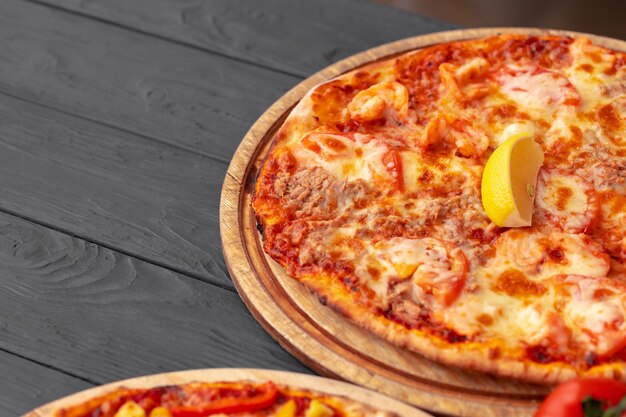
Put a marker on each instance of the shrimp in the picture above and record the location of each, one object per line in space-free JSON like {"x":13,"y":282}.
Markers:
{"x":385,"y":100}
{"x":568,"y":201}
{"x":551,"y":254}
{"x":461,"y":133}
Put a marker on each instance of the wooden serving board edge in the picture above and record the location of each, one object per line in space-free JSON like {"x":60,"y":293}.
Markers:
{"x":308,"y":382}
{"x":301,"y":338}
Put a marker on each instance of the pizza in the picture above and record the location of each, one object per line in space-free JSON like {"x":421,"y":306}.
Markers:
{"x":370,"y":196}
{"x":220,"y":399}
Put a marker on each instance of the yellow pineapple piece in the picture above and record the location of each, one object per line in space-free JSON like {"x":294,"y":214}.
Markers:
{"x":404,"y":270}
{"x":130,"y":409}
{"x":287,"y":410}
{"x":160,"y":412}
{"x":318,"y":409}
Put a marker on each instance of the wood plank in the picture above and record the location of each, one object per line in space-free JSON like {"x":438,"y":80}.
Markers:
{"x":136,"y":82}
{"x":297,"y":37}
{"x":114,"y":188}
{"x":101,"y":315}
{"x":25,"y":385}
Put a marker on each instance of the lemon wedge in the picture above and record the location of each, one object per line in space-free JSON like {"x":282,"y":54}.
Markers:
{"x":509,"y":180}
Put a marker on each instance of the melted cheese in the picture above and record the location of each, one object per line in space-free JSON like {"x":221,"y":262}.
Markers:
{"x":544,"y":255}
{"x":568,"y":200}
{"x":588,"y":73}
{"x":597,"y":313}
{"x":537,"y":90}
{"x":453,"y":173}
{"x":359,"y":157}
{"x":518,"y":128}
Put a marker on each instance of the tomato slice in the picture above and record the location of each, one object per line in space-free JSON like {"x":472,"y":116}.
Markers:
{"x":566,"y":399}
{"x":264,"y":399}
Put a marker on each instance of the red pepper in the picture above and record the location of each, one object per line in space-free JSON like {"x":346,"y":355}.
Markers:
{"x":267,"y":397}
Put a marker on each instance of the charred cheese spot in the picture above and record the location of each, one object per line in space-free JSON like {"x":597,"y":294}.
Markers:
{"x":618,"y":204}
{"x":556,"y":254}
{"x":609,"y":118}
{"x":577,"y":135}
{"x":373,"y":272}
{"x":335,"y":144}
{"x":485,"y":319}
{"x":563,"y":195}
{"x":540,"y":354}
{"x":343,"y":244}
{"x":515,"y":283}
{"x":503,"y":111}
{"x":426,"y":177}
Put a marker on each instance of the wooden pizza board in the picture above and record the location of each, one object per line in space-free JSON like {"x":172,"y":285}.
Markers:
{"x":322,"y":339}
{"x":309,"y":382}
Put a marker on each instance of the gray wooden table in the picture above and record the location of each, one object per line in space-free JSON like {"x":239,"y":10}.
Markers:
{"x":117,"y":122}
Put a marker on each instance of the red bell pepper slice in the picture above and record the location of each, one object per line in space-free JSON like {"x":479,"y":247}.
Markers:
{"x":267,"y":397}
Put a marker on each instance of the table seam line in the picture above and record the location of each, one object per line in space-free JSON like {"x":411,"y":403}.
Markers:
{"x":49,"y":366}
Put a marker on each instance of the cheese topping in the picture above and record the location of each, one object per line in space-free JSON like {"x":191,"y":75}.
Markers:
{"x":536,"y":89}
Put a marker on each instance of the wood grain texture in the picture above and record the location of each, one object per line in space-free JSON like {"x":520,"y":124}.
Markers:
{"x":299,"y":37}
{"x":25,"y":385}
{"x":114,"y":188}
{"x":139,"y":83}
{"x":325,"y":341}
{"x":103,"y":316}
{"x":307,"y":382}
